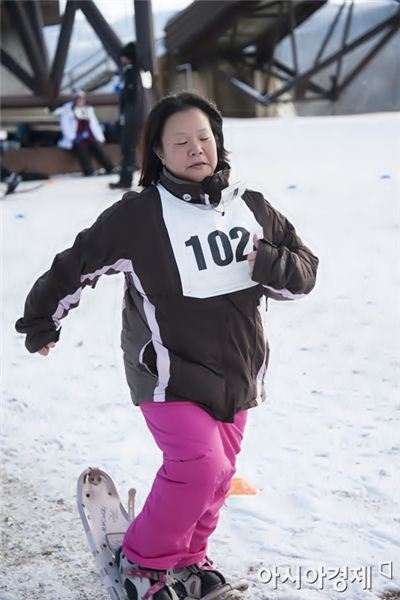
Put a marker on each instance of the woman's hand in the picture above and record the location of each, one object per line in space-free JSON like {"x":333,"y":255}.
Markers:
{"x":46,"y":349}
{"x":251,"y":257}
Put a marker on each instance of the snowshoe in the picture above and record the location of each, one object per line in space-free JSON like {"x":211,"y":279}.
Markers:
{"x":105,"y":521}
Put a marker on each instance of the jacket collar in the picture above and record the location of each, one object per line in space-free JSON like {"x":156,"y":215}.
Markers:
{"x":207,"y":191}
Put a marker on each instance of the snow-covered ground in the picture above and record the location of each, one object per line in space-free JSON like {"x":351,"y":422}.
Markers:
{"x":324,"y":452}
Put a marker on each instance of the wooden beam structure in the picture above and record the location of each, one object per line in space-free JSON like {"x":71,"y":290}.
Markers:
{"x":36,"y":19}
{"x":111,"y":42}
{"x":16,"y":69}
{"x":18,"y":13}
{"x":19,"y":101}
{"x":63,"y":42}
{"x":45,"y":81}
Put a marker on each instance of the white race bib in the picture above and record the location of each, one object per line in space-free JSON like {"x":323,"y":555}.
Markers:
{"x":211,"y":244}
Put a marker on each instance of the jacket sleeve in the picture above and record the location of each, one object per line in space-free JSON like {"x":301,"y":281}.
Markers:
{"x":95,"y":126}
{"x":68,"y":123}
{"x":96,"y":251}
{"x":130,"y":86}
{"x":283,"y":265}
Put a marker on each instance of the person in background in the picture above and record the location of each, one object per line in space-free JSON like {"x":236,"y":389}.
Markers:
{"x":11,"y":178}
{"x":131,"y":107}
{"x":82,"y":133}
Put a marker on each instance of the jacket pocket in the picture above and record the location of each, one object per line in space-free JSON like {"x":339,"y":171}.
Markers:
{"x":148,"y":359}
{"x":261,"y":349}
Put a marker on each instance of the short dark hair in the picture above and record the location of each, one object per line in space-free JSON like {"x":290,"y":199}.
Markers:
{"x":154,"y":126}
{"x":129,"y":51}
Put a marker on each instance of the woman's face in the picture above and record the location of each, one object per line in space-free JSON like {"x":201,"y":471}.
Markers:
{"x":80,"y":101}
{"x":188,"y":148}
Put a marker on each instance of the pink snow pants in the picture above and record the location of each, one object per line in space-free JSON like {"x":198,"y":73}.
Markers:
{"x":181,"y":510}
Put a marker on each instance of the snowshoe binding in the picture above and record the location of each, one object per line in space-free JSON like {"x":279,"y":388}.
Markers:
{"x":203,"y":582}
{"x":141,"y":583}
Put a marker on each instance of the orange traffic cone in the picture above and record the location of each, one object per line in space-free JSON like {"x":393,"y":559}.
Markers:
{"x":240,"y":487}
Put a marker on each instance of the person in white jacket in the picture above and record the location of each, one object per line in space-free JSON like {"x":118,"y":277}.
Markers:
{"x":82,"y":133}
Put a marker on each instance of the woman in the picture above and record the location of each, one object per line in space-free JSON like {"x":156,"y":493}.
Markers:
{"x":82,"y":133}
{"x":193,"y":341}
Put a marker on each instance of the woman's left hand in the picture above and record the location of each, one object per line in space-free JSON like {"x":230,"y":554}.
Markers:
{"x":251,"y":257}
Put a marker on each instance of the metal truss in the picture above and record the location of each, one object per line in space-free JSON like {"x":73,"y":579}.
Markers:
{"x":300,"y":83}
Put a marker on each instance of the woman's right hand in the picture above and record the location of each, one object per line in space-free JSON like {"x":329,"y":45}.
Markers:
{"x":46,"y":349}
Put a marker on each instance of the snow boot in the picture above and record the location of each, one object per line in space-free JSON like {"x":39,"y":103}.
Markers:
{"x":120,"y":185}
{"x":196,"y":581}
{"x":203,"y":582}
{"x":12,"y":181}
{"x":141,"y":583}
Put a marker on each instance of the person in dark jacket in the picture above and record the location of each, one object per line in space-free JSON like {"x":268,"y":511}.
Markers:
{"x":131,"y":108}
{"x":200,"y":256}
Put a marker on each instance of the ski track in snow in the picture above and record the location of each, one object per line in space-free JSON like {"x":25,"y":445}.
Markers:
{"x":324,"y":451}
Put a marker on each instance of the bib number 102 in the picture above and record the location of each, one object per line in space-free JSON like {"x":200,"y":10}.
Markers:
{"x":220,"y":247}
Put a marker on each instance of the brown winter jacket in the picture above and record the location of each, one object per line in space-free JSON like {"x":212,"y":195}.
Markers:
{"x":192,"y":316}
